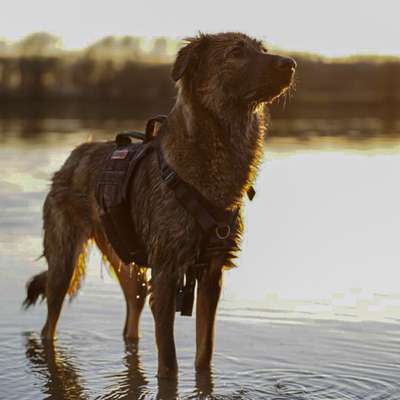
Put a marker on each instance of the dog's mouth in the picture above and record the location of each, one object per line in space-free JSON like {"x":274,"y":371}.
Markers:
{"x":267,"y":92}
{"x":270,"y":91}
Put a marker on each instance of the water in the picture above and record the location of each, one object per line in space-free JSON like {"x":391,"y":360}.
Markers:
{"x":311,"y":313}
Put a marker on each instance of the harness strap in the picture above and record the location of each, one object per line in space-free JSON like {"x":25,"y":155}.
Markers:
{"x":141,"y":153}
{"x":190,"y":199}
{"x":215,"y":223}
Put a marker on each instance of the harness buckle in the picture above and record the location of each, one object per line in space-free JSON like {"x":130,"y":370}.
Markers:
{"x":223,"y":234}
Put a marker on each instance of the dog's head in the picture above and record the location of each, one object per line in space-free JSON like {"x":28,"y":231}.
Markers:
{"x":224,"y":69}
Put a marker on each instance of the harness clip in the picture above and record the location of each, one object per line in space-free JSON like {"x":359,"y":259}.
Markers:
{"x":224,"y":234}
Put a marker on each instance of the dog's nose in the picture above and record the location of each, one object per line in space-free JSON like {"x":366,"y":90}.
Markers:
{"x":285,"y":64}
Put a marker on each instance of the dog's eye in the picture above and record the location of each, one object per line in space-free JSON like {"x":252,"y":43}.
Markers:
{"x":236,"y":52}
{"x":264,"y":50}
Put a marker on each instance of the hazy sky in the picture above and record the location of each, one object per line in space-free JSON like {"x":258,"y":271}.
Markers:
{"x":330,"y":27}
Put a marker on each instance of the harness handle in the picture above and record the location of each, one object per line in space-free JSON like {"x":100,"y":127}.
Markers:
{"x":151,"y":125}
{"x":124,"y":138}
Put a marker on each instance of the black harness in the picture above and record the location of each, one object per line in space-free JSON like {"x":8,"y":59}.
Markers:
{"x":112,"y":195}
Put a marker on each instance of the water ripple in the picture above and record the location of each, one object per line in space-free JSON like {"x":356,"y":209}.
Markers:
{"x":282,"y":384}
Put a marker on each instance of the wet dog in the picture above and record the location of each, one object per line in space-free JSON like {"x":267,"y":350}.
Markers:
{"x":214,"y":142}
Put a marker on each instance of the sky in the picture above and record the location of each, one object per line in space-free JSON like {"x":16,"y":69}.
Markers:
{"x":332,"y":28}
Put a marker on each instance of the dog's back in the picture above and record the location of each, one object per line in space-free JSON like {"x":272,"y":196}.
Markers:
{"x":70,"y":215}
{"x":73,"y":185}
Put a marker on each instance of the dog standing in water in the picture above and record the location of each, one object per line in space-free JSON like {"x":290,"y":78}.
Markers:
{"x":214,"y":141}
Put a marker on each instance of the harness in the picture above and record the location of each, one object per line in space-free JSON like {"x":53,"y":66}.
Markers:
{"x":112,"y":194}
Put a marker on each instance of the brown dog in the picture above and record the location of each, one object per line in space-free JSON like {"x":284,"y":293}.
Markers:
{"x":214,"y":142}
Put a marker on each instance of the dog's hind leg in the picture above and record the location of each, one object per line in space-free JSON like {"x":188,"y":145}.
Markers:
{"x":208,"y":293}
{"x":64,"y":239}
{"x":61,"y":268}
{"x":133,"y":282}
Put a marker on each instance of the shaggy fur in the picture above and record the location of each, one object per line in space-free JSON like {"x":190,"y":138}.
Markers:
{"x":214,"y":141}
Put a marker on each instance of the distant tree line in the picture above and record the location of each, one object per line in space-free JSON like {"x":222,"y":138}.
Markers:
{"x":124,"y":70}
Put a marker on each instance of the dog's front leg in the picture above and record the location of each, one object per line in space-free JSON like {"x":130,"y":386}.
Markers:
{"x":162,"y":303}
{"x":208,"y":292}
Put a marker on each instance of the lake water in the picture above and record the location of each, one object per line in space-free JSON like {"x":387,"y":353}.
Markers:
{"x":312,"y":312}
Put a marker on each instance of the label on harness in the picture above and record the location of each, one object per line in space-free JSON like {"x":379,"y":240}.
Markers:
{"x":119,"y":154}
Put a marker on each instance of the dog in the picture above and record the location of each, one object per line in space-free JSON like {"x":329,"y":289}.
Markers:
{"x":214,"y":142}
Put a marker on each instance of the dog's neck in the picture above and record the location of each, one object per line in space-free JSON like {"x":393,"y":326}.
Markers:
{"x":218,"y":157}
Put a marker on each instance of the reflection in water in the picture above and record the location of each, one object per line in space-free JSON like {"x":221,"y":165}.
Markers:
{"x":167,"y":389}
{"x":204,"y":385}
{"x":60,"y":378}
{"x":131,"y":382}
{"x":333,"y":376}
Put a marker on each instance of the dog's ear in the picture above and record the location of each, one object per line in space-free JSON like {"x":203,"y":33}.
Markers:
{"x":187,"y":57}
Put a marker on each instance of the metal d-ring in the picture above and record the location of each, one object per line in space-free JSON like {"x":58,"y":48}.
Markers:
{"x":223,"y":235}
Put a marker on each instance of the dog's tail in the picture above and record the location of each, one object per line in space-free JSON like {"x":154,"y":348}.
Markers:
{"x":35,"y":288}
